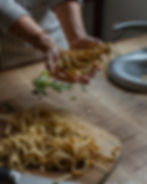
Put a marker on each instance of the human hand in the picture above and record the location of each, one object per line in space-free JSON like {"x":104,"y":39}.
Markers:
{"x":81,"y":45}
{"x":86,"y":42}
{"x":52,"y":59}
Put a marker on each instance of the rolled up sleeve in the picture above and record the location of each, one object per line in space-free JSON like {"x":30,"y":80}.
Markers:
{"x":54,"y":3}
{"x":10,"y":11}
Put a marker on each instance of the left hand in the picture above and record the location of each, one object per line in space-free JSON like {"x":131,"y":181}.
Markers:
{"x":86,"y":42}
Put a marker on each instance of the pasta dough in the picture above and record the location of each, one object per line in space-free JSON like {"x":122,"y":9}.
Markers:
{"x":45,"y":140}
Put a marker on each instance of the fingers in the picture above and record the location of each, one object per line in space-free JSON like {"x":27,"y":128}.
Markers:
{"x":62,"y":75}
{"x":66,"y":78}
{"x":50,"y":64}
{"x":85,"y":79}
{"x":77,"y":79}
{"x":54,"y":55}
{"x":51,"y":60}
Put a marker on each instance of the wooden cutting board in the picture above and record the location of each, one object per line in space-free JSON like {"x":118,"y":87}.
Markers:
{"x":110,"y":146}
{"x":16,"y":89}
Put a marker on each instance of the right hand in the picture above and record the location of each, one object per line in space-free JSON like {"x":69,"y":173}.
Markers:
{"x":52,"y":57}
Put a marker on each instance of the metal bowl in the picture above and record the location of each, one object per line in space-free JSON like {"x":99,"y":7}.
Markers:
{"x":130,"y":71}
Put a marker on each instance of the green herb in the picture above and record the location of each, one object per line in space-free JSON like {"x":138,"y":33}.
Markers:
{"x":59,"y":86}
{"x":45,"y":81}
{"x":73,"y":98}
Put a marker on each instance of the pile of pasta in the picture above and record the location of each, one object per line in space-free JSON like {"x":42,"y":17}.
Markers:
{"x":79,"y":62}
{"x":44,"y":140}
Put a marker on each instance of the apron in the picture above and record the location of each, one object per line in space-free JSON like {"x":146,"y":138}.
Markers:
{"x":14,"y":51}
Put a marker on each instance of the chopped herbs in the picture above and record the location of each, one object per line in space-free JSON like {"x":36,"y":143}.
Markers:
{"x":45,"y":81}
{"x":73,"y":98}
{"x":60,"y":87}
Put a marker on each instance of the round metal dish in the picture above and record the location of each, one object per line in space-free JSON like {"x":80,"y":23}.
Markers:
{"x":130,"y":71}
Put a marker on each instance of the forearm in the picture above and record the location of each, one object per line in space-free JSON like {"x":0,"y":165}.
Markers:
{"x":15,"y":18}
{"x":70,"y":16}
{"x":26,"y":28}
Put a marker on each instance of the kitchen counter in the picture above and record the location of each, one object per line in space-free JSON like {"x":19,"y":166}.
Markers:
{"x":120,"y":112}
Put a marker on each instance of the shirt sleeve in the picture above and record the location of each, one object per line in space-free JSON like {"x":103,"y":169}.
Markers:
{"x":53,"y":3}
{"x":10,"y":11}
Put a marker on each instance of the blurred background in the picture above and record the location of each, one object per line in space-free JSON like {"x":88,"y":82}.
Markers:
{"x":101,"y":15}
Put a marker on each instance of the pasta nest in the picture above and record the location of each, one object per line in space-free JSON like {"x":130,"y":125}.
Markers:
{"x":45,"y":140}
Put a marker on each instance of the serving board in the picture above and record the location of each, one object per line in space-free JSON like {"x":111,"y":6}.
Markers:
{"x":16,"y":90}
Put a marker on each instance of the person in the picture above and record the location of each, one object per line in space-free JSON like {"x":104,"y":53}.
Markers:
{"x":43,"y":24}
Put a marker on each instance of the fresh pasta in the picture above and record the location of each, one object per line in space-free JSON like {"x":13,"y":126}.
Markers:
{"x":79,"y":62}
{"x":45,"y":140}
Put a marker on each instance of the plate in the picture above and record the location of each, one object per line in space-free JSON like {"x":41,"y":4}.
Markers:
{"x":130,"y":71}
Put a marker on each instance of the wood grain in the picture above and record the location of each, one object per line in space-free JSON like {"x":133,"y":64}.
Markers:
{"x":120,"y":112}
{"x":19,"y":94}
{"x":109,"y":147}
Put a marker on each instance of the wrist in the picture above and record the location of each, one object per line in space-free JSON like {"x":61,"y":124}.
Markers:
{"x":42,"y":41}
{"x":27,"y":29}
{"x":76,"y":39}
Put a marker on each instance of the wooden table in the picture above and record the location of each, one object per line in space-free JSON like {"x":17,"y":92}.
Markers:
{"x":120,"y":112}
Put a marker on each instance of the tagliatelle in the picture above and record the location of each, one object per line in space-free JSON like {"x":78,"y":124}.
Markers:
{"x":72,"y":65}
{"x":40,"y":139}
{"x":79,"y":62}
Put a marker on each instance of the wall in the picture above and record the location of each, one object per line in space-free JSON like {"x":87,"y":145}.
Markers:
{"x":121,"y":10}
{"x":88,"y":16}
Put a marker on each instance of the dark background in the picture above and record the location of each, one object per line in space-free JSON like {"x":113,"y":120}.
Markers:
{"x":101,"y":15}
